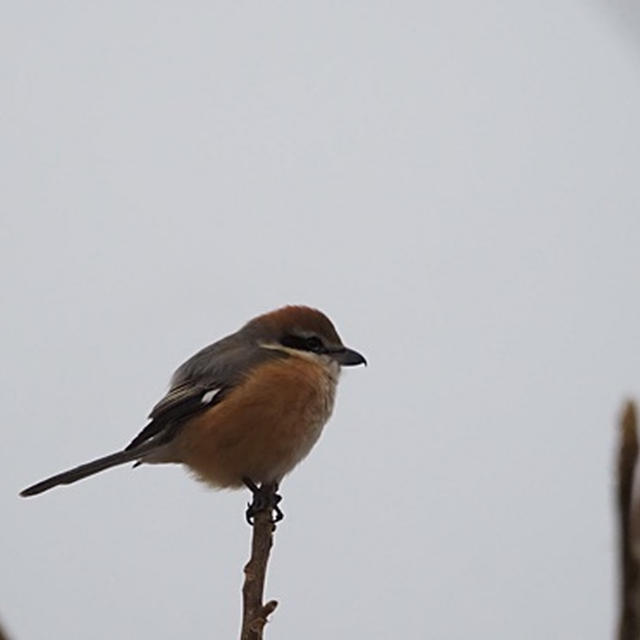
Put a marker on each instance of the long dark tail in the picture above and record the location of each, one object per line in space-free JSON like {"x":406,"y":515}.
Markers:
{"x":84,"y":470}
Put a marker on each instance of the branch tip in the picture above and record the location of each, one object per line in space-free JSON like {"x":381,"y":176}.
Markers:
{"x":255,"y":613}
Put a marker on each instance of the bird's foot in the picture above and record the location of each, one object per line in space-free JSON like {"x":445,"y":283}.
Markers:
{"x":265,"y":497}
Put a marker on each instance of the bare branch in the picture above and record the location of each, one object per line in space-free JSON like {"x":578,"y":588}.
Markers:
{"x":629,"y":626}
{"x":255,"y":613}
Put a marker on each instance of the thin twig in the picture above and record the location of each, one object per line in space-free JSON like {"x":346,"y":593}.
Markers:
{"x":255,"y":613}
{"x":629,"y":626}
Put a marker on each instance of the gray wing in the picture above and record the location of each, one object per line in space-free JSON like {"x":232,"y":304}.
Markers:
{"x":201,"y":382}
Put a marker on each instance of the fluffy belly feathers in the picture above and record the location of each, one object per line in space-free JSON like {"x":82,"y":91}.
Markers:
{"x":263,"y":428}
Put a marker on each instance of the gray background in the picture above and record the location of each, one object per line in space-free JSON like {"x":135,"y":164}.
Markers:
{"x":458,"y":187}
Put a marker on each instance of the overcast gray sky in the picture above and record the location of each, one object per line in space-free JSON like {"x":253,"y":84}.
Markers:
{"x":457,"y":186}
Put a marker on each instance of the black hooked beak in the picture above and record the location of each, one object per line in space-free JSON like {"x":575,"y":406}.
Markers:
{"x":348,"y":357}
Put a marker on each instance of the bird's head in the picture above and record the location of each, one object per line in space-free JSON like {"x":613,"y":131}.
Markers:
{"x":304,"y":332}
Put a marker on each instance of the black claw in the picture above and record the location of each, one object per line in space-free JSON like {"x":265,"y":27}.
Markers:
{"x":278,"y":513}
{"x":263,"y":498}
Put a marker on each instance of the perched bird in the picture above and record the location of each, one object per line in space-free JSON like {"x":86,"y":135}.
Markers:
{"x":243,"y":411}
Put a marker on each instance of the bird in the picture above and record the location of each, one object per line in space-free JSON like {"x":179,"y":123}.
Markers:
{"x":243,"y":411}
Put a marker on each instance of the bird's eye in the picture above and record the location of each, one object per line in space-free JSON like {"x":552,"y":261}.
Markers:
{"x":314,"y":343}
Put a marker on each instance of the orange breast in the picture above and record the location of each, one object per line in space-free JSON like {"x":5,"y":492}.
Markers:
{"x":262,"y":428}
